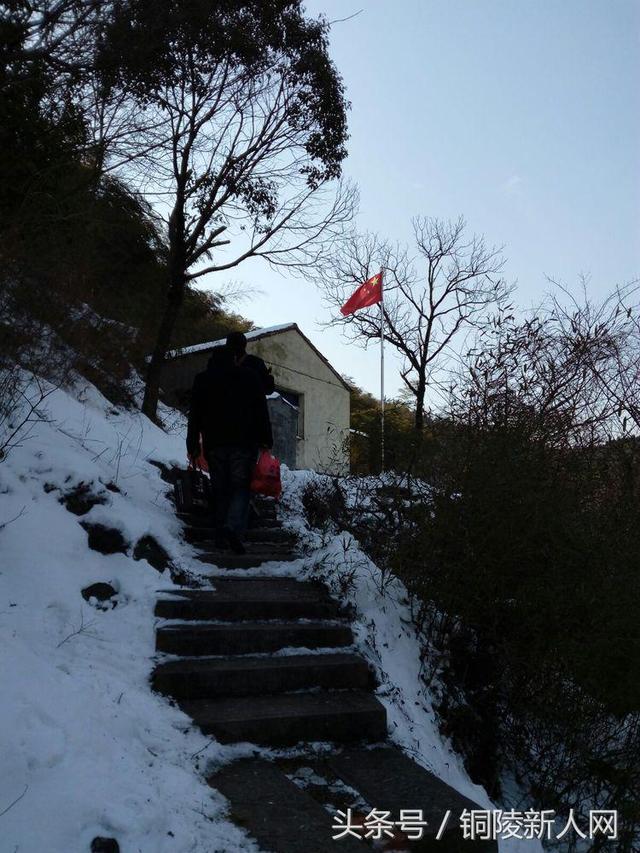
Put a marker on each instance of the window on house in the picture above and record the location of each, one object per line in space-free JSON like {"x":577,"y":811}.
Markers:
{"x":296,"y":400}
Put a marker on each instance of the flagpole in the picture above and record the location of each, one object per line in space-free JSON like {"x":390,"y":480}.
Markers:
{"x":382,"y":369}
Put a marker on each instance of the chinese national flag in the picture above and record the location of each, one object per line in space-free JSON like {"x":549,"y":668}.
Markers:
{"x":369,"y":293}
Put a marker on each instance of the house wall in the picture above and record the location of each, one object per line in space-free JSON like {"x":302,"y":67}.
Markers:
{"x":178,"y":375}
{"x":325,"y":407}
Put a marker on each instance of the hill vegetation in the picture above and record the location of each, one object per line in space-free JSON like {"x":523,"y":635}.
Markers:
{"x":521,"y":558}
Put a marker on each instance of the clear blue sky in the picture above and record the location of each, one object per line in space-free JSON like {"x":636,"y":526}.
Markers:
{"x":522,"y":115}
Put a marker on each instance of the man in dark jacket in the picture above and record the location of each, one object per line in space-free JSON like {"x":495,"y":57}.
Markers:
{"x":229,"y":410}
{"x":237,"y":343}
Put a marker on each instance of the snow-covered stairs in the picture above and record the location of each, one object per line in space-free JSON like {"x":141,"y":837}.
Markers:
{"x":287,"y":817}
{"x":278,"y":814}
{"x":250,"y":676}
{"x":261,"y":658}
{"x":286,"y":719}
{"x":242,"y":638}
{"x":201,"y":533}
{"x":266,"y":542}
{"x":251,"y":560}
{"x":269,"y":660}
{"x":250,"y":598}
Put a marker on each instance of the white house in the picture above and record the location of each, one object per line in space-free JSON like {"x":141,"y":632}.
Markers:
{"x":310,"y":411}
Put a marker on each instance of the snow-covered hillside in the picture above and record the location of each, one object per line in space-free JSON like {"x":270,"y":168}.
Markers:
{"x":86,"y":748}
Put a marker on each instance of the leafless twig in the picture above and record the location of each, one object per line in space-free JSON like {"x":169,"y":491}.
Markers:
{"x":81,"y":630}
{"x":17,"y":800}
{"x":11,"y":520}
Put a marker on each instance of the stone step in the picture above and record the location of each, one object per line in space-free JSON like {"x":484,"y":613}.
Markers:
{"x":271,"y":586}
{"x":194,"y":520}
{"x":264,"y":505}
{"x":269,"y":512}
{"x":223,"y":677}
{"x":280,"y":816}
{"x":342,"y":716}
{"x":278,"y":548}
{"x":255,"y":534}
{"x":268,"y":523}
{"x":250,"y":560}
{"x":237,"y":638}
{"x":257,"y":601}
{"x":388,"y":779}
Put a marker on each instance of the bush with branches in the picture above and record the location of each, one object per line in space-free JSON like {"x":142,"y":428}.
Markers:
{"x":521,"y":561}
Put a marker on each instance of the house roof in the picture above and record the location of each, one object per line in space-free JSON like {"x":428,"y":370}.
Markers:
{"x":257,"y":334}
{"x":250,"y":336}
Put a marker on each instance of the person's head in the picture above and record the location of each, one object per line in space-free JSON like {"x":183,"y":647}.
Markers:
{"x":237,"y":345}
{"x":221,"y":357}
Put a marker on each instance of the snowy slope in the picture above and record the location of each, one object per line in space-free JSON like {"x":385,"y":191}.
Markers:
{"x":84,"y":743}
{"x":86,"y":749}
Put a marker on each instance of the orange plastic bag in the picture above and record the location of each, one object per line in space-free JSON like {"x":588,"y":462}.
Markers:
{"x":266,"y":476}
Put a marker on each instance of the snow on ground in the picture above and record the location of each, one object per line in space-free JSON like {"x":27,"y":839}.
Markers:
{"x":86,"y":748}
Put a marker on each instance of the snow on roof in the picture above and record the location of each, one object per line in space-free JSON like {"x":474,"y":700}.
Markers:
{"x":254,"y":335}
{"x":250,"y":336}
{"x":277,"y":396}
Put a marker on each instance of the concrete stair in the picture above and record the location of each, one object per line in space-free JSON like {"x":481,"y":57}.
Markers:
{"x":228,"y":677}
{"x":388,"y":779}
{"x":265,"y":541}
{"x":271,"y":534}
{"x":251,"y":676}
{"x":242,"y":638}
{"x":286,"y":818}
{"x":285,"y":719}
{"x":195,"y":523}
{"x":251,"y":560}
{"x":238,"y":681}
{"x":280,"y":549}
{"x":249,"y":599}
{"x":267,"y":520}
{"x":281,"y":817}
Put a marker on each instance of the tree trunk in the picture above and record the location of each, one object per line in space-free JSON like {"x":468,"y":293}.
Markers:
{"x":418,"y":423}
{"x":163,"y":342}
{"x":177,"y":268}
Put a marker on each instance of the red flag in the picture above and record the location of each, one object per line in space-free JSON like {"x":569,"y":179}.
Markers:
{"x":369,"y":293}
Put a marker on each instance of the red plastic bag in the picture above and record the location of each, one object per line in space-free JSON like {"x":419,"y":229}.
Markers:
{"x":266,"y":476}
{"x":201,"y":461}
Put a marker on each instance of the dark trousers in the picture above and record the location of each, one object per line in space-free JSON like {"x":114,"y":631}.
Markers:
{"x":231,"y":468}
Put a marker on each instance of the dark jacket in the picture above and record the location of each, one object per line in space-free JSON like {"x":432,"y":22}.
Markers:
{"x":255,"y":363}
{"x":228,"y":407}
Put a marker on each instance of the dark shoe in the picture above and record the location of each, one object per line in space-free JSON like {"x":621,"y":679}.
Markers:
{"x":234,"y":542}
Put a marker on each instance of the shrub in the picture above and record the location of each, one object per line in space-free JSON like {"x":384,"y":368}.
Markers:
{"x":522,"y":569}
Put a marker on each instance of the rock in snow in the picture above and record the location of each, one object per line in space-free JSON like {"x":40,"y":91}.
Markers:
{"x":104,"y":539}
{"x":147,"y":548}
{"x":104,"y":845}
{"x":101,"y":594}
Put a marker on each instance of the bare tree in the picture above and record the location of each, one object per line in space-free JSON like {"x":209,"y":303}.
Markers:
{"x":566,"y":376}
{"x":606,"y":334}
{"x":429,"y":298}
{"x":239,"y":144}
